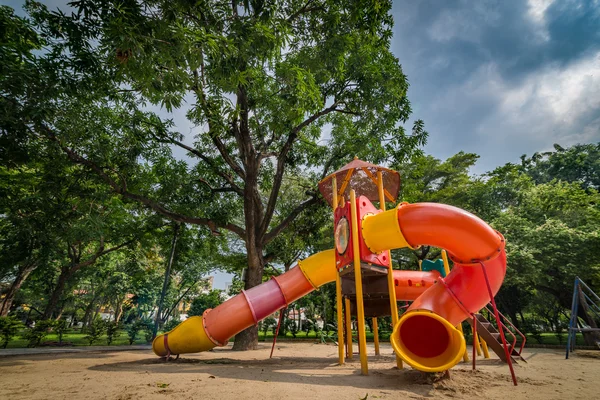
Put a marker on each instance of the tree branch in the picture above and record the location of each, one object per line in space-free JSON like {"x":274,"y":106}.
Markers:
{"x":153,"y":205}
{"x":292,"y":215}
{"x":204,"y":158}
{"x":280,"y":169}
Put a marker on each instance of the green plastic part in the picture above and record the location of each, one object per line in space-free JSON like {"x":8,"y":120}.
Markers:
{"x":437,"y":265}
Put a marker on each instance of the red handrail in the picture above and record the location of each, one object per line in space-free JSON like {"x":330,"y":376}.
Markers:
{"x":504,"y":318}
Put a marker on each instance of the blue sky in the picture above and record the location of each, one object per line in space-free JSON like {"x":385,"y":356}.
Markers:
{"x":497,"y":78}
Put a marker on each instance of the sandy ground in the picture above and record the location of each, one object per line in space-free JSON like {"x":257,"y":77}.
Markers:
{"x":297,"y":371}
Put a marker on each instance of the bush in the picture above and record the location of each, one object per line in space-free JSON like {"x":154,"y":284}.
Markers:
{"x":307,"y":326}
{"x":205,"y":301}
{"x":112,"y":331}
{"x":171,"y":324}
{"x":132,"y":330}
{"x":266,"y":324}
{"x":38,"y":333}
{"x":292,"y":327}
{"x":148,"y":328}
{"x":9,"y":327}
{"x":533,"y":330}
{"x":60,"y":327}
{"x":95,"y":330}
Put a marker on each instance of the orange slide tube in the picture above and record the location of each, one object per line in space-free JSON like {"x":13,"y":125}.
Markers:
{"x":425,"y":337}
{"x":218,"y":325}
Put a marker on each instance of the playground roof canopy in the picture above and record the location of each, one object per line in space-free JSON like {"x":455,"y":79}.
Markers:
{"x":362,"y":177}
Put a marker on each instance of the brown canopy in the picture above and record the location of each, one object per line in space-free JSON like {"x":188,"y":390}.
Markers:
{"x":362,"y":177}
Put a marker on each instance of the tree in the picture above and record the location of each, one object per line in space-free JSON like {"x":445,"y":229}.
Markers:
{"x":579,"y":163}
{"x":267,"y":81}
{"x":204,"y":301}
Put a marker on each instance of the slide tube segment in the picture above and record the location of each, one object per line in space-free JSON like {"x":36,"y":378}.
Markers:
{"x":218,"y":325}
{"x":426,"y":336}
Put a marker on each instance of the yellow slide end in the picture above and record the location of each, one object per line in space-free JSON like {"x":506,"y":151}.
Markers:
{"x":427,"y":342}
{"x":187,"y":337}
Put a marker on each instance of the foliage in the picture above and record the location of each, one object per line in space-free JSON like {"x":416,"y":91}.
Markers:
{"x":171,"y":324}
{"x":60,"y":327}
{"x":132,"y":330}
{"x":307,"y":326}
{"x":9,"y":327}
{"x":292,"y":327}
{"x":113,"y":330}
{"x":36,"y":334}
{"x":96,"y":329}
{"x":204,"y":301}
{"x":147,"y":326}
{"x":267,"y":324}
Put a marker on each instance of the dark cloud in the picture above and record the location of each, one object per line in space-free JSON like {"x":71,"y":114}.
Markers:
{"x":501,"y":78}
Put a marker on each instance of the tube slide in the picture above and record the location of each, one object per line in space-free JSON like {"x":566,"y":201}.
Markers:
{"x":216,"y":326}
{"x":426,"y":336}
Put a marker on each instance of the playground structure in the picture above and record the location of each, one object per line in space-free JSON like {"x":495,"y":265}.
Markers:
{"x":428,"y":336}
{"x":589,"y":301}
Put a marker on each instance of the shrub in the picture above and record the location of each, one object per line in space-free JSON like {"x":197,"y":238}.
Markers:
{"x":292,"y":327}
{"x":35,"y":335}
{"x":9,"y":327}
{"x":205,"y":301}
{"x":533,"y":329}
{"x":60,"y":327}
{"x":95,"y":330}
{"x":132,"y":330}
{"x":171,"y":324}
{"x":112,"y":331}
{"x":307,"y":326}
{"x":147,"y":325}
{"x":267,"y":323}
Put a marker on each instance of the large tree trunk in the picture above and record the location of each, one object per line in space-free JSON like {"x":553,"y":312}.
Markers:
{"x":64,"y":276}
{"x":9,"y":296}
{"x":248,"y":338}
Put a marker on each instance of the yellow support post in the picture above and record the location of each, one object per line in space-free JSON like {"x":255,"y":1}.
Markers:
{"x":459,"y":327}
{"x":349,"y":351}
{"x":420,"y":262}
{"x":376,"y":336}
{"x":486,"y":352}
{"x":338,"y":288}
{"x":476,"y":343}
{"x":360,"y":307}
{"x":391,"y":285}
{"x":445,"y":260}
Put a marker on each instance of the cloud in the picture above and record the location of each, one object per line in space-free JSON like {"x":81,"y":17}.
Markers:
{"x":501,"y":78}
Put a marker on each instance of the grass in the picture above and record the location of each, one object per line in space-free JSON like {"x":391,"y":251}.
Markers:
{"x":78,"y":339}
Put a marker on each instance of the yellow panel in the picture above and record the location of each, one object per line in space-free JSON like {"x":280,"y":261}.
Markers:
{"x":382,"y":232}
{"x":319,"y":268}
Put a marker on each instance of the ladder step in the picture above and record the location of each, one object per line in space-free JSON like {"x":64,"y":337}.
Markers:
{"x":495,"y":336}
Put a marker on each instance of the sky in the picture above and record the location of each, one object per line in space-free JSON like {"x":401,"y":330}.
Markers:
{"x":499,"y":78}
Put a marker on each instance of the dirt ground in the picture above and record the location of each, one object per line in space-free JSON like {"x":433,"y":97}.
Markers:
{"x":297,"y":371}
